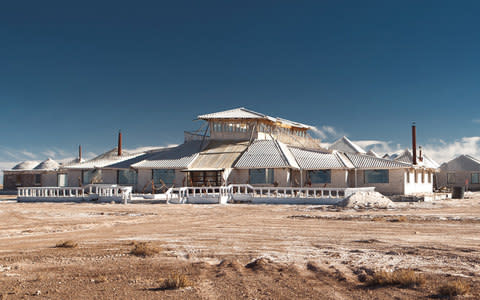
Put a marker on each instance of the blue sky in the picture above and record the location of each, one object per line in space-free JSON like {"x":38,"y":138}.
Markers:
{"x":77,"y":73}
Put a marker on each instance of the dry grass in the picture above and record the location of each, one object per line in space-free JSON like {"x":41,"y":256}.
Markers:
{"x":403,"y":278}
{"x":454,"y":288}
{"x":144,"y":249}
{"x":176,"y":281}
{"x":67,"y":244}
{"x":399,"y":219}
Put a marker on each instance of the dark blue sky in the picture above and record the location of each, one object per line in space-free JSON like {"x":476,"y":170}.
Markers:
{"x":76,"y":73}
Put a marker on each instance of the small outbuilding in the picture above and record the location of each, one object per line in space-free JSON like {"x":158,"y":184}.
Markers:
{"x":463,"y":170}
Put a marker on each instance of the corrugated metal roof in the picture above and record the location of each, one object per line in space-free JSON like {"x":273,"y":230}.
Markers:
{"x":218,"y":155}
{"x":363,"y":161}
{"x":178,"y":157}
{"x":462,"y":163}
{"x":317,"y":160}
{"x":345,"y":145}
{"x":265,"y":154}
{"x":243,"y":113}
{"x":48,"y":164}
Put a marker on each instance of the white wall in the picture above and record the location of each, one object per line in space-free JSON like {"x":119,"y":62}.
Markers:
{"x":423,"y":184}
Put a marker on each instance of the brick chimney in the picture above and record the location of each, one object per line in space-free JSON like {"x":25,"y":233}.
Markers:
{"x":414,"y":143}
{"x":119,"y":148}
{"x":79,"y":153}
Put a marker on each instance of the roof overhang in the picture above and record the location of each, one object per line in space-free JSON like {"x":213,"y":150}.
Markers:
{"x":202,"y":169}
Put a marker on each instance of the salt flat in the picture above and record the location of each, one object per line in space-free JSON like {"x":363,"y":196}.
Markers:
{"x":308,"y":251}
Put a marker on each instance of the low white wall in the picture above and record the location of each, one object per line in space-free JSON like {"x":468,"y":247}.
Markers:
{"x":423,"y":184}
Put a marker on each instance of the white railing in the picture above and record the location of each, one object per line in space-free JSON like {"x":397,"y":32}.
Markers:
{"x":93,"y":191}
{"x":222,"y":194}
{"x":294,"y":192}
{"x":247,"y":191}
{"x":50,"y":192}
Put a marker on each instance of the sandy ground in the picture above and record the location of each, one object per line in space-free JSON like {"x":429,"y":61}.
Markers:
{"x":314,"y":252}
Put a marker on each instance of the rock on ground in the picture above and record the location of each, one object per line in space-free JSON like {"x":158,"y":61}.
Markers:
{"x":366,"y":200}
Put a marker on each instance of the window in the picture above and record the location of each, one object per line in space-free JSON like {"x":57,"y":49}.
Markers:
{"x":240,"y":127}
{"x":320,"y":176}
{"x":429,"y":177}
{"x":127,"y":177}
{"x":408,"y":175}
{"x":450,"y":178}
{"x":415,"y":176}
{"x":18,"y":180}
{"x":38,"y":179}
{"x":423,"y":176}
{"x":376,"y":176}
{"x":165,"y":175}
{"x":475,"y":178}
{"x":261,"y":176}
{"x":87,"y":177}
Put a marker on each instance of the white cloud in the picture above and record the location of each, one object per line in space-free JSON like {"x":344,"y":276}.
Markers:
{"x":439,"y":150}
{"x":50,"y":153}
{"x":443,"y":151}
{"x":380,"y":147}
{"x":327,"y":132}
{"x":28,"y":154}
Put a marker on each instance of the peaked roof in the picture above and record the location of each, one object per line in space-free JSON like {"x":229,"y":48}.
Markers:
{"x":363,"y":161}
{"x":218,"y":155}
{"x":345,"y":145}
{"x":462,"y":163}
{"x":266,"y":154}
{"x":243,"y":113}
{"x":48,"y":164}
{"x":406,"y":156}
{"x":169,"y":158}
{"x":318,"y":160}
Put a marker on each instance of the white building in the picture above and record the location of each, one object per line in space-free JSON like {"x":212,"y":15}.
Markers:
{"x":241,"y":146}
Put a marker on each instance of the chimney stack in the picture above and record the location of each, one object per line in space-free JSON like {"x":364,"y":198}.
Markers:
{"x":414,"y":143}
{"x":420,"y":157}
{"x":79,"y":153}
{"x":119,"y":148}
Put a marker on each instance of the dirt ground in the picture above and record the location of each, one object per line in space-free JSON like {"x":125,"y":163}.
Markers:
{"x":235,"y":251}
